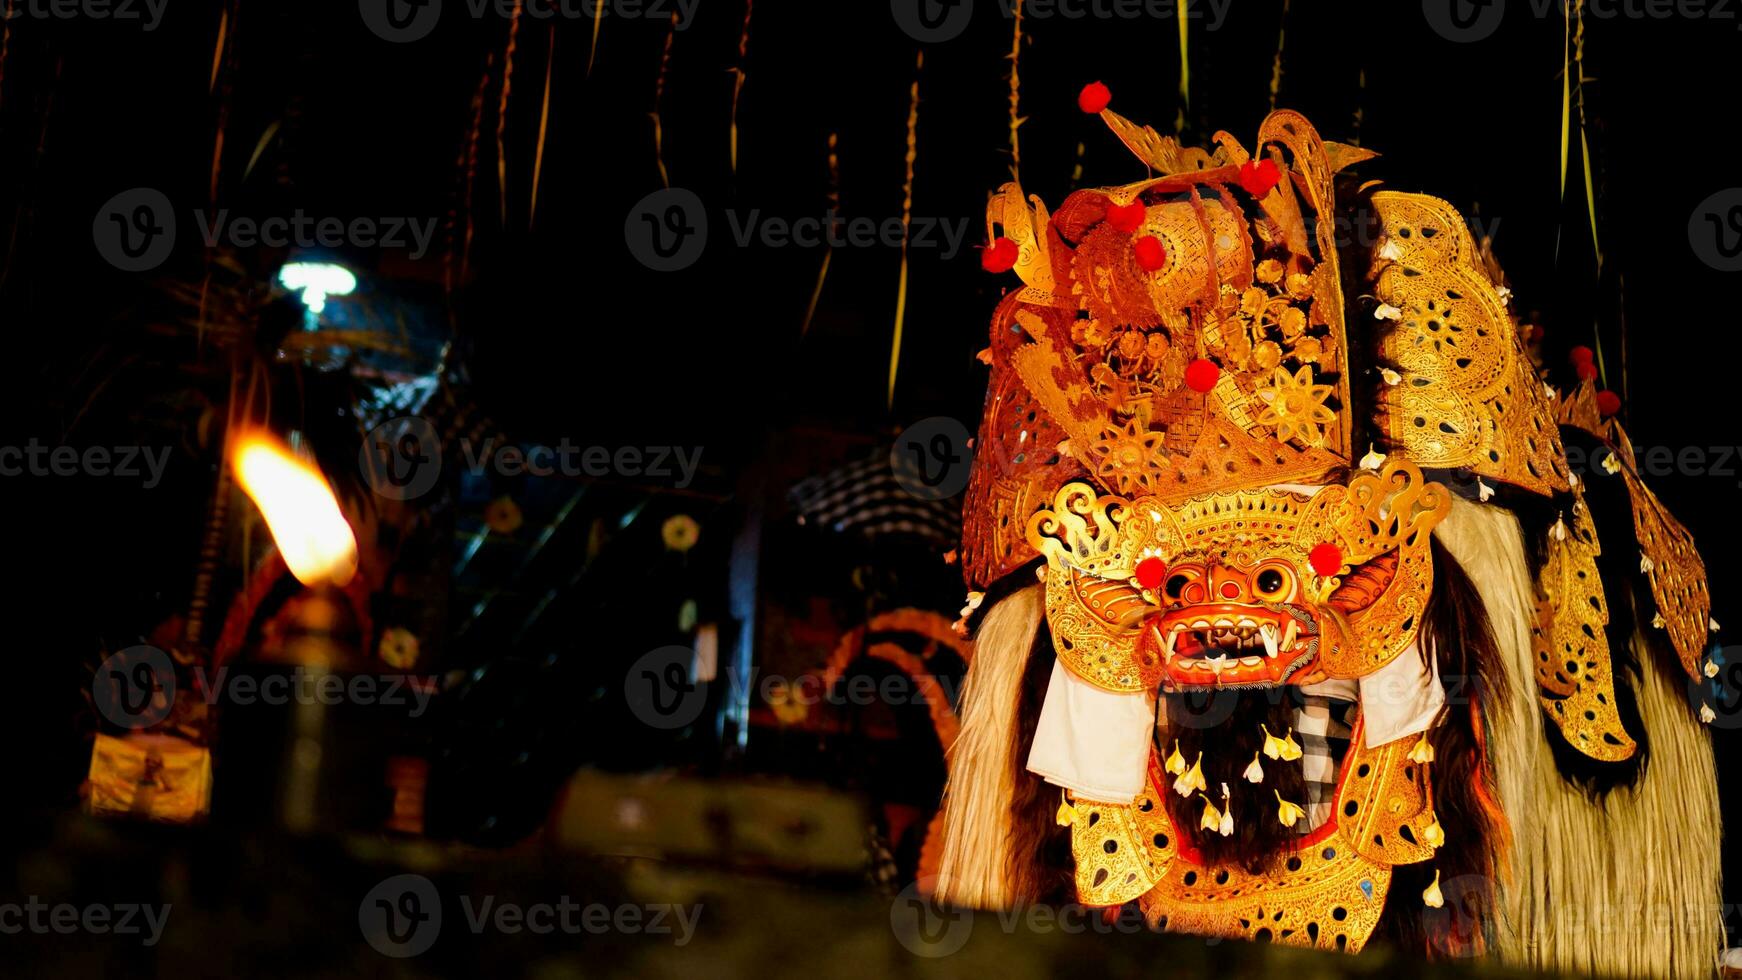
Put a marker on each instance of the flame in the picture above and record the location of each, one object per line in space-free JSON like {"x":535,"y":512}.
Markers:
{"x":300,"y":510}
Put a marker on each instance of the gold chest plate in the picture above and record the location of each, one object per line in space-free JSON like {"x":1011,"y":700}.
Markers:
{"x":1328,"y":893}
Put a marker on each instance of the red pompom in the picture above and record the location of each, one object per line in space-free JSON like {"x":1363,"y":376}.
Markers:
{"x":1326,"y":559}
{"x":1582,"y":355}
{"x":1095,"y":97}
{"x":1150,"y":573}
{"x":1150,"y":253}
{"x":1127,"y":217}
{"x":1587,"y":371}
{"x":1201,"y":375}
{"x":1608,"y":403}
{"x":1259,"y":176}
{"x":1000,"y":256}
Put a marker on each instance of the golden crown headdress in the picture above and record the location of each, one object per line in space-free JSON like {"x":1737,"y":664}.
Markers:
{"x":1188,"y":334}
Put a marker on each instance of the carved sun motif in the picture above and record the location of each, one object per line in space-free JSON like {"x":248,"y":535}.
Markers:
{"x":1296,"y":406}
{"x":1129,"y":457}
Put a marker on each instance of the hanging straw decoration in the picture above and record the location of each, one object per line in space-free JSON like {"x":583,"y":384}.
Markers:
{"x":1578,"y":67}
{"x":502,"y":109}
{"x":906,"y":220}
{"x":658,"y":99}
{"x":224,"y":55}
{"x":738,"y":78}
{"x":261,"y":145}
{"x":1016,"y":119}
{"x":1276,"y":66}
{"x":810,"y":309}
{"x":1360,"y":102}
{"x":1566,"y":112}
{"x":598,"y":22}
{"x":460,"y":253}
{"x":1573,"y":66}
{"x":217,"y":49}
{"x":543,"y":129}
{"x":1185,"y":74}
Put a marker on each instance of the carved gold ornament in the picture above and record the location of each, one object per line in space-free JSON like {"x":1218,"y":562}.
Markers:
{"x":1468,"y":395}
{"x":1574,"y":676}
{"x":1676,"y":571}
{"x":1295,"y":406}
{"x":1328,"y":893}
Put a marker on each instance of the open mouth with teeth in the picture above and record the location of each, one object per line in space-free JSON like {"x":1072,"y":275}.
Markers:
{"x":1232,"y":645}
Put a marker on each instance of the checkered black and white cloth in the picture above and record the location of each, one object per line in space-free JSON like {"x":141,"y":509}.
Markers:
{"x":1323,"y":726}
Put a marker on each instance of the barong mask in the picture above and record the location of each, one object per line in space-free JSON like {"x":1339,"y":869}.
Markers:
{"x":1252,"y":588}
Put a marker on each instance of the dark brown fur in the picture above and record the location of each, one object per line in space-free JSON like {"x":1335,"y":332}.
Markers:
{"x":1224,"y":726}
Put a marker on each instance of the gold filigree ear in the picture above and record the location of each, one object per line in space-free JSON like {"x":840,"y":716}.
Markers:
{"x":1095,"y":598}
{"x":1079,"y":531}
{"x":1381,"y":524}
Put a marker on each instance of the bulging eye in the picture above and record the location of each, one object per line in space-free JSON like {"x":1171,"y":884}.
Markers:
{"x":1185,"y":584}
{"x":1272,"y":583}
